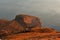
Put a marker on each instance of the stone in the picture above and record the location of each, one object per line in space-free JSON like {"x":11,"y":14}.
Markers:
{"x":3,"y":22}
{"x":28,"y":21}
{"x":21,"y":23}
{"x":47,"y":30}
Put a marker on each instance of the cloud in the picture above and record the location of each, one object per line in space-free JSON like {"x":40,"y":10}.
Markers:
{"x":43,"y":6}
{"x":13,"y":7}
{"x":48,"y":10}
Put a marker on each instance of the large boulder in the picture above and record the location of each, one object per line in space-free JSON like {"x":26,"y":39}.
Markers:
{"x":28,"y":21}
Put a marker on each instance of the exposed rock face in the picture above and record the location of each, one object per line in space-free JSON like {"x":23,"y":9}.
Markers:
{"x":33,"y":36}
{"x":21,"y":23}
{"x":3,"y":22}
{"x":28,"y":21}
{"x":15,"y":27}
{"x":43,"y":30}
{"x":12,"y":28}
{"x":47,"y":30}
{"x":26,"y":27}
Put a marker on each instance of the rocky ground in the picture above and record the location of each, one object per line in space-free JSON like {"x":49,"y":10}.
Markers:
{"x":26,"y":27}
{"x":33,"y":36}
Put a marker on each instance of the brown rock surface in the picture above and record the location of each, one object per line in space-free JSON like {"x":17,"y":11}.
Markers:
{"x":43,"y":30}
{"x":28,"y":21}
{"x":3,"y":22}
{"x":33,"y":36}
{"x":22,"y":23}
{"x":47,"y":30}
{"x":26,"y":27}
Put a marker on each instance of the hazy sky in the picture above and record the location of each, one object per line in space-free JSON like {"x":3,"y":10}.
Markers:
{"x":47,"y":10}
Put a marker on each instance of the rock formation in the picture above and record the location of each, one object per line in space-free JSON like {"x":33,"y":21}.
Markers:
{"x":26,"y":27}
{"x":21,"y":23}
{"x":3,"y":22}
{"x":43,"y":30}
{"x":28,"y":21}
{"x":47,"y":30}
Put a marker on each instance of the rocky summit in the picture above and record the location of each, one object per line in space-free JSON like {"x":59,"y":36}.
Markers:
{"x":26,"y":27}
